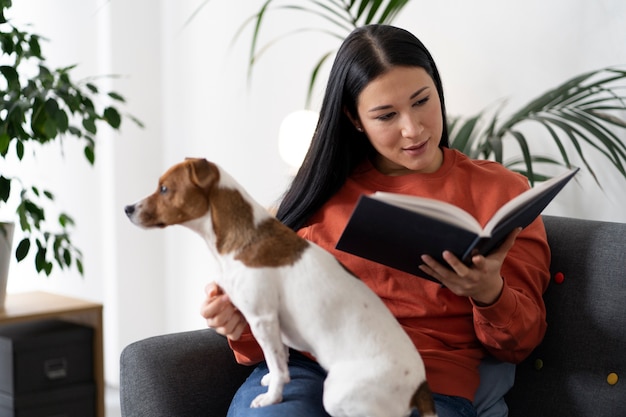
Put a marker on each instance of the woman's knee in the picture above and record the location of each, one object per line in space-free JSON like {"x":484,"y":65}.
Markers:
{"x":301,"y":397}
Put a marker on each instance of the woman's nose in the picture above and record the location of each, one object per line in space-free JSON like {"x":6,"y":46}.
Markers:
{"x":411,"y":127}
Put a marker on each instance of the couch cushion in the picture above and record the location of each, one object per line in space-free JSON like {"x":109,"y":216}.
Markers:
{"x":572,"y":372}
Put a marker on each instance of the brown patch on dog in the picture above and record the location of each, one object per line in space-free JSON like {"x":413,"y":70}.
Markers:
{"x":423,"y":400}
{"x":270,"y":243}
{"x":276,"y":245}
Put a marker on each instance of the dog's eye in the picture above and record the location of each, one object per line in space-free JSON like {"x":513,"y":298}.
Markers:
{"x":163,"y":189}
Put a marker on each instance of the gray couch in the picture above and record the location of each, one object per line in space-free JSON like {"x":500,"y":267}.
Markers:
{"x":570,"y":374}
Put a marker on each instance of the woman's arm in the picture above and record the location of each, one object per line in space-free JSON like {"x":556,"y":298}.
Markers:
{"x":506,"y":290}
{"x":513,"y":326}
{"x":223,"y":316}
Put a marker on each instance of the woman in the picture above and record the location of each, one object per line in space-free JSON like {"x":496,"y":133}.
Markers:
{"x":382,"y":127}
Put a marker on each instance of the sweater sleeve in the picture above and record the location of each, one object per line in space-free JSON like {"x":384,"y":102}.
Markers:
{"x":516,"y":323}
{"x":246,"y":349}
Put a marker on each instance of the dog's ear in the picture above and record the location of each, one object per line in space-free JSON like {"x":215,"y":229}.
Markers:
{"x":203,"y":173}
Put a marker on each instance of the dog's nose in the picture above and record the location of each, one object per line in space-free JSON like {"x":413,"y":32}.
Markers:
{"x":129,"y":210}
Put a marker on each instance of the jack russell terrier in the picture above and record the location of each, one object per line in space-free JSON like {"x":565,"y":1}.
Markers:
{"x":294,"y":294}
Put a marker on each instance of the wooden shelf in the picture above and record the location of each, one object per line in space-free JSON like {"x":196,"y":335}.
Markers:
{"x":38,"y":305}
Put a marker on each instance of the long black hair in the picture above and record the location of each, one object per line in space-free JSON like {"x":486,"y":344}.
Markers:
{"x":337,"y":148}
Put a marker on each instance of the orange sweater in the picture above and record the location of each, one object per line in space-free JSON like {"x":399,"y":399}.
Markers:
{"x":451,"y":333}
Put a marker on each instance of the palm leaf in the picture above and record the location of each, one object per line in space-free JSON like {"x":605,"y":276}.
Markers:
{"x":464,"y":135}
{"x":255,"y":35}
{"x":336,"y":9}
{"x":196,"y":12}
{"x":392,"y":10}
{"x":314,"y":73}
{"x":557,"y":140}
{"x":586,"y":111}
{"x":546,"y":100}
{"x":513,"y":163}
{"x":603,"y":142}
{"x":523,"y":145}
{"x":608,"y":118}
{"x":343,"y":16}
{"x":573,"y":134}
{"x":373,"y":8}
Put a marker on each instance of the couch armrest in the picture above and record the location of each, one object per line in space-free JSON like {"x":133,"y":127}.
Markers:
{"x":182,"y":374}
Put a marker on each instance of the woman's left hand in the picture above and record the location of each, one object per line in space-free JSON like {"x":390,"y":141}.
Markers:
{"x":481,"y":281}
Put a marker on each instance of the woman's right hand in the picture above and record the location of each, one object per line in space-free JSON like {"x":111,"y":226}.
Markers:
{"x":221,"y":314}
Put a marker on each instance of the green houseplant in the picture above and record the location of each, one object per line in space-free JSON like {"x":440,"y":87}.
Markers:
{"x":582,"y":114}
{"x":339,"y":18}
{"x":39,"y":106}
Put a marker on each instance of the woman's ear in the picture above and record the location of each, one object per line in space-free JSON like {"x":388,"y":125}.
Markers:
{"x":354,"y":120}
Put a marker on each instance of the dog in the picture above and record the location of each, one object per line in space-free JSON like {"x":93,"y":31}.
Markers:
{"x":293,"y":294}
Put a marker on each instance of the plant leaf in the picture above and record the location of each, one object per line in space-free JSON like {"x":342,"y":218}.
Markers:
{"x":67,"y":257}
{"x":463,"y":139}
{"x":572,"y":134}
{"x":10,"y":74}
{"x":5,"y":141}
{"x":112,"y":116}
{"x":90,"y":154}
{"x":314,"y":75}
{"x":115,"y":96}
{"x":40,"y":257}
{"x":523,"y":144}
{"x":22,"y":249}
{"x":393,"y":8}
{"x":5,"y":188}
{"x":344,"y":16}
{"x":89,"y":124}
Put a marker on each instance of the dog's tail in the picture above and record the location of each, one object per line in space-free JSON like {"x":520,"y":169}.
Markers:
{"x":423,"y":401}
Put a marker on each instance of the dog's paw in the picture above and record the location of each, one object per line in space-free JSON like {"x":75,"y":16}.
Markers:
{"x":263,"y":400}
{"x":265,"y":381}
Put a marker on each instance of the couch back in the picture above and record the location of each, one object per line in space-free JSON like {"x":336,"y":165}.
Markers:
{"x":580,"y":367}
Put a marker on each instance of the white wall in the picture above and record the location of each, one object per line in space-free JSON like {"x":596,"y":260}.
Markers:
{"x":188,"y":84}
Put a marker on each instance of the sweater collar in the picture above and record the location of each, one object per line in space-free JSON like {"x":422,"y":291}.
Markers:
{"x":367,"y":173}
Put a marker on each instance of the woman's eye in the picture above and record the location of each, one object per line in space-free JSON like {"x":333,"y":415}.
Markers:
{"x":422,"y":101}
{"x":384,"y":117}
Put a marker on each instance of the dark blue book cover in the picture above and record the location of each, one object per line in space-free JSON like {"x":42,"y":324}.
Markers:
{"x":395,"y":230}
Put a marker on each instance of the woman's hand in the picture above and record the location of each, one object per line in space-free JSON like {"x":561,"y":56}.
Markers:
{"x":221,"y":314}
{"x":481,"y":281}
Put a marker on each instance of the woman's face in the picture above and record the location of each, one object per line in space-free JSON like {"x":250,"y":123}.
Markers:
{"x":400,"y":112}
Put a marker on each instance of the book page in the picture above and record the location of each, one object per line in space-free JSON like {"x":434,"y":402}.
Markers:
{"x":436,"y":209}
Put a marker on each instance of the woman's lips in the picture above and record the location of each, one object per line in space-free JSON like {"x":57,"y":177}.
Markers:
{"x":416,"y":149}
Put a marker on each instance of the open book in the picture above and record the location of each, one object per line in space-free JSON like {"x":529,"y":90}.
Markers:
{"x":396,"y":229}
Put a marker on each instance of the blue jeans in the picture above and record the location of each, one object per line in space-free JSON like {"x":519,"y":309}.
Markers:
{"x":302,"y":397}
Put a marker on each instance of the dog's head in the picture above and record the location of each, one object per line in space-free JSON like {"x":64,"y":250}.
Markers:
{"x":182,"y":195}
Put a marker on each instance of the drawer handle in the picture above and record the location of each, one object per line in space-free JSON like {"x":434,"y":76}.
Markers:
{"x":55,"y":368}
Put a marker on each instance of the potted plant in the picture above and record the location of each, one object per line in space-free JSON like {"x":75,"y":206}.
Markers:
{"x":39,"y":106}
{"x":586,"y":111}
